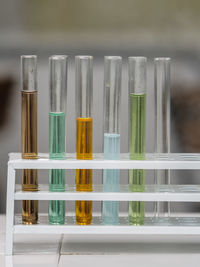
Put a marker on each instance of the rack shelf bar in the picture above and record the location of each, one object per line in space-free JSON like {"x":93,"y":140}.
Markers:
{"x":174,"y":193}
{"x":153,"y":161}
{"x":112,"y":196}
{"x":119,"y":230}
{"x":152,"y":226}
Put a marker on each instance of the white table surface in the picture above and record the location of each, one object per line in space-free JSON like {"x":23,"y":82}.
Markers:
{"x":62,"y":251}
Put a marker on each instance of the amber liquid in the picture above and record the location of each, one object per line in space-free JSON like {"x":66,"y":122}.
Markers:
{"x":84,"y":177}
{"x":29,"y":151}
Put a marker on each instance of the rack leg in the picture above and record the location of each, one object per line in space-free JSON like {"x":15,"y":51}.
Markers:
{"x":10,"y":210}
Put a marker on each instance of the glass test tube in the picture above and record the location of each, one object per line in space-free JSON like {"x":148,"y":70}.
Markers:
{"x":162,"y":135}
{"x":84,"y":97}
{"x":57,"y":150}
{"x":112,"y":93}
{"x":137,"y":139}
{"x":29,"y":134}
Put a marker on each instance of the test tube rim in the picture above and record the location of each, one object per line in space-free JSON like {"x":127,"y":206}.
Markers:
{"x":162,"y":59}
{"x":58,"y":57}
{"x":137,"y":58}
{"x":83,"y":57}
{"x":29,"y":56}
{"x":113,"y":57}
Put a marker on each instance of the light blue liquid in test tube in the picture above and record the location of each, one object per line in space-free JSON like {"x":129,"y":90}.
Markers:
{"x":111,"y":178}
{"x":112,"y":94}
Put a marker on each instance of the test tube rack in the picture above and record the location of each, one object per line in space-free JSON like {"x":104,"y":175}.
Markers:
{"x":169,"y":193}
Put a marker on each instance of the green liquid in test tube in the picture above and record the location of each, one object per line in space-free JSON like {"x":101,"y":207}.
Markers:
{"x":58,"y":86}
{"x":137,"y":98}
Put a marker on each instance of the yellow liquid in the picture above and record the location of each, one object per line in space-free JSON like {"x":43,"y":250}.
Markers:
{"x":29,"y":151}
{"x":84,"y":177}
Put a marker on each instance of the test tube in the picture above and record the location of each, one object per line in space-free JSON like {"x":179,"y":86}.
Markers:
{"x":137,"y":139}
{"x":112,"y":94}
{"x":57,"y":148}
{"x":162,"y":135}
{"x":84,"y":99}
{"x":29,"y":134}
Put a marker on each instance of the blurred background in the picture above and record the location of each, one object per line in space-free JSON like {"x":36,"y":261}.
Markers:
{"x":107,"y":27}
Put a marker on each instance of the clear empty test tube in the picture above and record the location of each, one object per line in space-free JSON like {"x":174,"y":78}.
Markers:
{"x":162,"y":126}
{"x":84,"y":99}
{"x":29,"y":134}
{"x":57,"y":148}
{"x":137,"y":106}
{"x":112,"y":94}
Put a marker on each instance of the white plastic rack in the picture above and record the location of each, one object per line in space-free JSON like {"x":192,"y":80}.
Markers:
{"x":171,"y":193}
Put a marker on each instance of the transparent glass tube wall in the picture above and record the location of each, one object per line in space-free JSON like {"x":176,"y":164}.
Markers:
{"x":162,"y":115}
{"x":137,"y":137}
{"x":112,"y":93}
{"x":29,"y":134}
{"x":84,"y":132}
{"x":57,"y":147}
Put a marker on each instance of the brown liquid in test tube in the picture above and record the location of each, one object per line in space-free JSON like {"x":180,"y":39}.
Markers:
{"x":29,"y":135}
